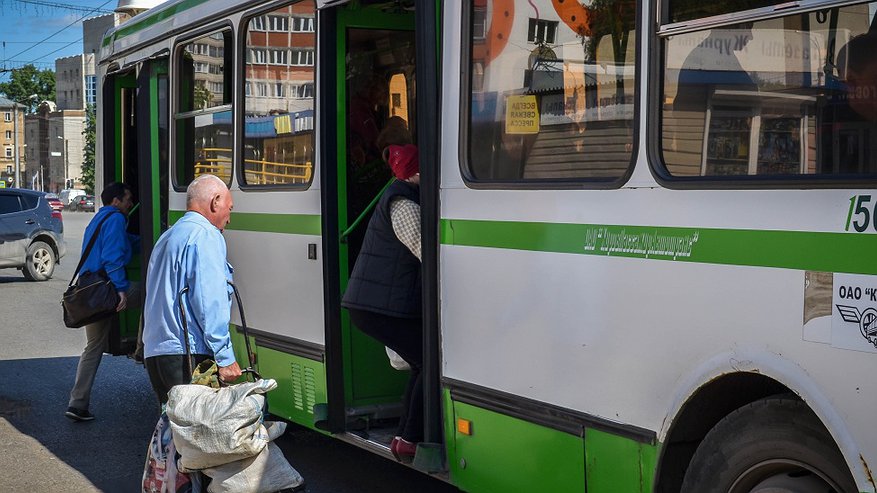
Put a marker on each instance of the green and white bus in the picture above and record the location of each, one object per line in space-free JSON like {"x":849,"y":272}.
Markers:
{"x":649,"y":227}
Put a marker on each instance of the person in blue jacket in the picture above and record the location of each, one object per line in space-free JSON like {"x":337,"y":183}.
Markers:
{"x":111,"y":252}
{"x":191,"y":254}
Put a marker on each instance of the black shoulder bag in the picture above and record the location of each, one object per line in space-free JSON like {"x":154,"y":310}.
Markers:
{"x":90,"y":296}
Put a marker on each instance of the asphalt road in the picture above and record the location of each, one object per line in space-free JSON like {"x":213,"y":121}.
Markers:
{"x":43,"y":451}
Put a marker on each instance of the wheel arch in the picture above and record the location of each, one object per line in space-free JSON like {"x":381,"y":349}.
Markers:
{"x":48,"y":240}
{"x":728,"y":382}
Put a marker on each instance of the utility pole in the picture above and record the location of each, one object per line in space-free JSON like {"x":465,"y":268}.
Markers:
{"x":15,"y":144}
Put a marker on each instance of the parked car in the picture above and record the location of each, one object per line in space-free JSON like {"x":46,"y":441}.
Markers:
{"x":31,"y":233}
{"x":55,"y":202}
{"x":70,"y":196}
{"x":83,"y":203}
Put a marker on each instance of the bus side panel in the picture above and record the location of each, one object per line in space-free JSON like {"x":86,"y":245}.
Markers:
{"x":280,"y":287}
{"x":301,"y":383}
{"x":616,"y":463}
{"x":511,"y":455}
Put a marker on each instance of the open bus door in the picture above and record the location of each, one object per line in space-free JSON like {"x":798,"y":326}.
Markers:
{"x":135,"y":129}
{"x":368,"y":59}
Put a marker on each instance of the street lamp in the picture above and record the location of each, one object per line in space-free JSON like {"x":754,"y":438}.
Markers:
{"x":66,"y":151}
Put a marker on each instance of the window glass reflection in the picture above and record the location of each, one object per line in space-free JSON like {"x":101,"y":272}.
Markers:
{"x":778,"y":97}
{"x":279,"y":97}
{"x":552,"y":90}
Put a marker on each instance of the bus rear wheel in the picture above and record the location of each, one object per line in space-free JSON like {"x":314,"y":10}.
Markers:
{"x":776,"y":444}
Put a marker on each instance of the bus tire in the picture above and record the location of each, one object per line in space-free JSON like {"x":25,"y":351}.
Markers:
{"x":39,"y":262}
{"x":773,"y":444}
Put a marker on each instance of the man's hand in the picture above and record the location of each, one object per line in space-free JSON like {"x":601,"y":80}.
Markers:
{"x":229,"y":373}
{"x":123,"y":301}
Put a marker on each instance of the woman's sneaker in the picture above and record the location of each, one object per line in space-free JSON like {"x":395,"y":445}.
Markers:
{"x":77,"y":414}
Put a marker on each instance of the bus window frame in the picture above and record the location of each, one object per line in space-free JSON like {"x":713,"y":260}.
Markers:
{"x":176,"y":114}
{"x":781,"y":9}
{"x":240,"y":92}
{"x":465,"y":144}
{"x":655,"y":94}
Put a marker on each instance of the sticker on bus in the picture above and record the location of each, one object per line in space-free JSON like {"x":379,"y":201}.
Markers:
{"x":521,"y":115}
{"x":854,"y":314}
{"x":841,"y":310}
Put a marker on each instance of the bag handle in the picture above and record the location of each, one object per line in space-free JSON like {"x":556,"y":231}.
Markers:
{"x":90,"y":245}
{"x":184,"y":321}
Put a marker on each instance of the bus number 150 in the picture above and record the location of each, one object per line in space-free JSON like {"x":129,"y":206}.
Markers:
{"x":859,"y":208}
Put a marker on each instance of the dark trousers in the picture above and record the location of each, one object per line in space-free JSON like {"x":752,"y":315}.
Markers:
{"x":405,"y":336}
{"x":168,"y":370}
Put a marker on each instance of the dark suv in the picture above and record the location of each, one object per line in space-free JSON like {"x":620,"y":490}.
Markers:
{"x":31,"y":233}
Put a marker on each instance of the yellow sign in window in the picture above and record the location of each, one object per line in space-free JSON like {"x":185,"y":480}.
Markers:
{"x":521,"y":115}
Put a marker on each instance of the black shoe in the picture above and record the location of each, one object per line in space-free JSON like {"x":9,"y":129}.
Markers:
{"x":77,"y":414}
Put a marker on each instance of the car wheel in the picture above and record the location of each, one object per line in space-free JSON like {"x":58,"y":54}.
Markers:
{"x":775,"y":444}
{"x":40,"y":262}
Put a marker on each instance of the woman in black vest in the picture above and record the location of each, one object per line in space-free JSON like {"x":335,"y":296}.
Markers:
{"x":384,"y":292}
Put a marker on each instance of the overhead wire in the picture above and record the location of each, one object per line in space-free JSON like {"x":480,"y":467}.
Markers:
{"x":58,"y":5}
{"x":56,"y":33}
{"x":55,"y":51}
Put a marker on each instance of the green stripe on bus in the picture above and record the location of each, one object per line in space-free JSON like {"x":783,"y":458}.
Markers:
{"x":150,"y":19}
{"x":829,"y":252}
{"x":293,"y":224}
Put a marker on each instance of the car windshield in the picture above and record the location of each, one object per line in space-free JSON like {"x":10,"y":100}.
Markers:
{"x":51,"y":196}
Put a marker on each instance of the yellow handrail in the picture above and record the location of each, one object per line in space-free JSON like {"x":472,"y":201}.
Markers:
{"x":256,"y":173}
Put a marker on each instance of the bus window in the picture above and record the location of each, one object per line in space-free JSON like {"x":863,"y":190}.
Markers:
{"x":203,"y":114}
{"x":279,"y":97}
{"x":552,"y":90}
{"x":775,"y":97}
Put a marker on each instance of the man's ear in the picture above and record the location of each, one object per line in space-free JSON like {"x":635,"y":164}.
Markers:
{"x":214,"y":203}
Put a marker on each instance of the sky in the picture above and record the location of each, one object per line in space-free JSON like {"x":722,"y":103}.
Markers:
{"x":39,"y":31}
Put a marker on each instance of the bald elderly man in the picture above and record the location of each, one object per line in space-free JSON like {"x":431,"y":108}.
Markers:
{"x":192,"y":253}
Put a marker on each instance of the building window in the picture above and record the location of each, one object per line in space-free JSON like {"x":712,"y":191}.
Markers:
{"x":9,"y":135}
{"x":479,"y":24}
{"x":278,"y":57}
{"x":91,"y":89}
{"x":8,"y":152}
{"x":302,"y":24}
{"x":8,"y":116}
{"x":302,"y":57}
{"x":256,"y":55}
{"x":541,"y":31}
{"x":278,"y":23}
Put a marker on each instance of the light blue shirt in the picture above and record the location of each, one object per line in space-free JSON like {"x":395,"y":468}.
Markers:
{"x":191,"y":253}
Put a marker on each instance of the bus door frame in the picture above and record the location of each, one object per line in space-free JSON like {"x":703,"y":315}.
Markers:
{"x":116,"y":86}
{"x":331,"y":101}
{"x":153,"y":184}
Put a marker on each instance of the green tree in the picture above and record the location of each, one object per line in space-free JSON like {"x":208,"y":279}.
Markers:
{"x":90,"y":134}
{"x":26,"y":82}
{"x":202,"y":97}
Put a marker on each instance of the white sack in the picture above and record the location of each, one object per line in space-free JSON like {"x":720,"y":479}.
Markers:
{"x":212,"y":427}
{"x":397,"y":361}
{"x":267,"y":472}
